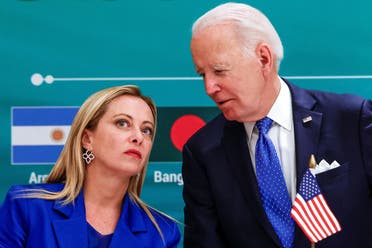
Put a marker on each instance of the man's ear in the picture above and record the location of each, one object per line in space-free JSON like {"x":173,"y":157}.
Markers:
{"x":86,"y":140}
{"x":265,"y":56}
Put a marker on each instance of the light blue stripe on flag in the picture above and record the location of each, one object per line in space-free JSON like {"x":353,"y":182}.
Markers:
{"x":36,"y":154}
{"x":43,"y":116}
{"x":32,"y":133}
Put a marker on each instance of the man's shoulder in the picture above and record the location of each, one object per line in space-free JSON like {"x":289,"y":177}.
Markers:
{"x":323,"y":98}
{"x":212,"y":129}
{"x":337,"y":100}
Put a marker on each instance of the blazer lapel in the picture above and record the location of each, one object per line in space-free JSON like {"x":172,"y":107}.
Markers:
{"x":235,"y":144}
{"x":130,"y":223}
{"x":71,"y":230}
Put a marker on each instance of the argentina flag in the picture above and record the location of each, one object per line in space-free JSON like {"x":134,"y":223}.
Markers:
{"x":39,"y":133}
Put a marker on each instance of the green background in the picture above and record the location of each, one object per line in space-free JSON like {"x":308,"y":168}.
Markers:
{"x":147,"y":43}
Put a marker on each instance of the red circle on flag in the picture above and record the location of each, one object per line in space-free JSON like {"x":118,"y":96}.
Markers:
{"x":183,"y":128}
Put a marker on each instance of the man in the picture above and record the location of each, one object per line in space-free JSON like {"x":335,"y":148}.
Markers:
{"x":238,"y":52}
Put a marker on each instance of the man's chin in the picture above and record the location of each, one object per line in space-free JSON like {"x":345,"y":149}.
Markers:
{"x":229,"y":115}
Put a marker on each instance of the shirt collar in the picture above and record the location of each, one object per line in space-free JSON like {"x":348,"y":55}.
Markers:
{"x":280,"y":112}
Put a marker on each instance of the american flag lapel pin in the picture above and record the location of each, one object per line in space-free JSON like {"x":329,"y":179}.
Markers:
{"x":307,"y":119}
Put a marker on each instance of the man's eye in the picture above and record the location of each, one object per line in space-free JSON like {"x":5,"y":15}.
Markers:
{"x":201,"y":74}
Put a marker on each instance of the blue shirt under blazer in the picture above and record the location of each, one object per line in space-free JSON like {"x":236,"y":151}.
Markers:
{"x":26,"y":222}
{"x":223,"y":206}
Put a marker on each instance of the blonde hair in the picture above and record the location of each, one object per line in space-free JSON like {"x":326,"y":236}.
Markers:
{"x":70,"y":168}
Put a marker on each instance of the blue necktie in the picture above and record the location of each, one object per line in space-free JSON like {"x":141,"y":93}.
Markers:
{"x":274,"y":193}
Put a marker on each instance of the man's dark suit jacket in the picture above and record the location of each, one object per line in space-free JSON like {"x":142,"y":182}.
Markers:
{"x":222,"y":202}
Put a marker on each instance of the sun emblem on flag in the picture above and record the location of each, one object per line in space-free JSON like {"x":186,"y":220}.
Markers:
{"x":57,"y":135}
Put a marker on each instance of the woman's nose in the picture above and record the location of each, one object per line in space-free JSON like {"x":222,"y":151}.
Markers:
{"x":136,"y":136}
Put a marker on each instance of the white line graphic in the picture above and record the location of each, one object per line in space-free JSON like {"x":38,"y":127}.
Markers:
{"x":329,"y":77}
{"x":37,"y":79}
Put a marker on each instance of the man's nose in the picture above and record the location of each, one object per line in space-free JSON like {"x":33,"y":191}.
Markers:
{"x":211,"y":85}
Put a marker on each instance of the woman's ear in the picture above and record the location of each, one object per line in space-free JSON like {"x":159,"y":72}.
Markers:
{"x":86,"y":140}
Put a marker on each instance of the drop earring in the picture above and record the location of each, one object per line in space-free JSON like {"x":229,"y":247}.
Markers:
{"x":88,"y":156}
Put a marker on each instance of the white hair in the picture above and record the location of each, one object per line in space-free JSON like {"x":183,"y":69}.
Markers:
{"x":250,"y":23}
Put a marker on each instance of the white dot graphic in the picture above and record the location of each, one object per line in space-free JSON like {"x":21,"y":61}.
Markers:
{"x":49,"y":79}
{"x":37,"y":79}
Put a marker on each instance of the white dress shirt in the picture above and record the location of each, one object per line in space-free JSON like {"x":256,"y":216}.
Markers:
{"x":281,"y":134}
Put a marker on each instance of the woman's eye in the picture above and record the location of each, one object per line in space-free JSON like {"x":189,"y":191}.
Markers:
{"x":122,"y":123}
{"x":147,"y":131}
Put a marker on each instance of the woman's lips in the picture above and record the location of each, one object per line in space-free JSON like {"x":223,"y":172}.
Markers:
{"x":133,"y":153}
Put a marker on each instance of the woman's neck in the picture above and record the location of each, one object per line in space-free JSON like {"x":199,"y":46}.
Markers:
{"x":103,"y":198}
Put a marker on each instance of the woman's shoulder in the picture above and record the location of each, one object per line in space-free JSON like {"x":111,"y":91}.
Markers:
{"x":166,"y":223}
{"x":18,"y":190}
{"x":168,"y":227}
{"x":162,"y":218}
{"x":24,"y":201}
{"x":20,"y":194}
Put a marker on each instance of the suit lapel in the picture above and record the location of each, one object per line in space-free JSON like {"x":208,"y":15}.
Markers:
{"x":306,"y":132}
{"x":72,"y":230}
{"x":240,"y":161}
{"x":306,"y":139}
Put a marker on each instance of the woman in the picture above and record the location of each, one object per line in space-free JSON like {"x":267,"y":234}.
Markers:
{"x":91,"y":197}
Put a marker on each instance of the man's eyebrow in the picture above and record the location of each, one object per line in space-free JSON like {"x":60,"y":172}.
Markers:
{"x":221,"y":66}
